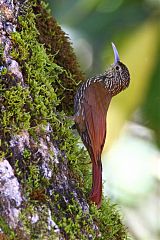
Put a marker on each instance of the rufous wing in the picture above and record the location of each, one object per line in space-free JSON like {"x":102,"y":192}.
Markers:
{"x":96,"y":103}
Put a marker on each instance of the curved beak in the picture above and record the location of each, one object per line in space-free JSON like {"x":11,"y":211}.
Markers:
{"x":116,"y":55}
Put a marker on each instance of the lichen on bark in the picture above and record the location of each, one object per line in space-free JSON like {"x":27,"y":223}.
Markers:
{"x":44,"y":175}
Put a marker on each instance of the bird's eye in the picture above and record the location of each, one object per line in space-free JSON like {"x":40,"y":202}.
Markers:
{"x":117,"y":68}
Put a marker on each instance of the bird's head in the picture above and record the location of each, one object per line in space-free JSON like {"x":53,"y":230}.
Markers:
{"x":120,"y":73}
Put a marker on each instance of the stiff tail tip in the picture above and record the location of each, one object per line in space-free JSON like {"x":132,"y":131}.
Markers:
{"x":96,"y":193}
{"x":96,"y":199}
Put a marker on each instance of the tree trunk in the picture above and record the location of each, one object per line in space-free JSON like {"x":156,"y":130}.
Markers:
{"x":44,"y":175}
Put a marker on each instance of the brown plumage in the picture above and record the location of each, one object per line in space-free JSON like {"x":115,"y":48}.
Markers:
{"x":91,"y":105}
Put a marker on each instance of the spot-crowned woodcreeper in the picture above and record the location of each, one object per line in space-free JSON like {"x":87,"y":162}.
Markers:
{"x":91,"y":104}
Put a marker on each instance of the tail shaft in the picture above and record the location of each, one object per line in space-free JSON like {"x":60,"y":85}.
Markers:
{"x":96,"y":193}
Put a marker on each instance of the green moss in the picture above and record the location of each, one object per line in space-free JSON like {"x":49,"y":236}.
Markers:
{"x":37,"y":229}
{"x":26,"y":153}
{"x":58,"y":44}
{"x":1,"y":51}
{"x":14,"y":115}
{"x":74,"y":223}
{"x":40,"y":73}
{"x":109,"y":221}
{"x":35,"y":103}
{"x":3,"y":71}
{"x":8,"y":232}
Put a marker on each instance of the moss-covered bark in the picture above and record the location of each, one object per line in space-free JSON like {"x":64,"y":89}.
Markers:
{"x":44,"y":175}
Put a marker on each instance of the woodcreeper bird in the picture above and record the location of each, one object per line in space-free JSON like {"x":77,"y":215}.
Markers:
{"x":91,"y":104}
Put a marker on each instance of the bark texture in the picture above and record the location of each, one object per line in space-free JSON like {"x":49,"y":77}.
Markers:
{"x":44,"y":175}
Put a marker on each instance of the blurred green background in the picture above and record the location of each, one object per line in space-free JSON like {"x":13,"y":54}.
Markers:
{"x":131,"y":158}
